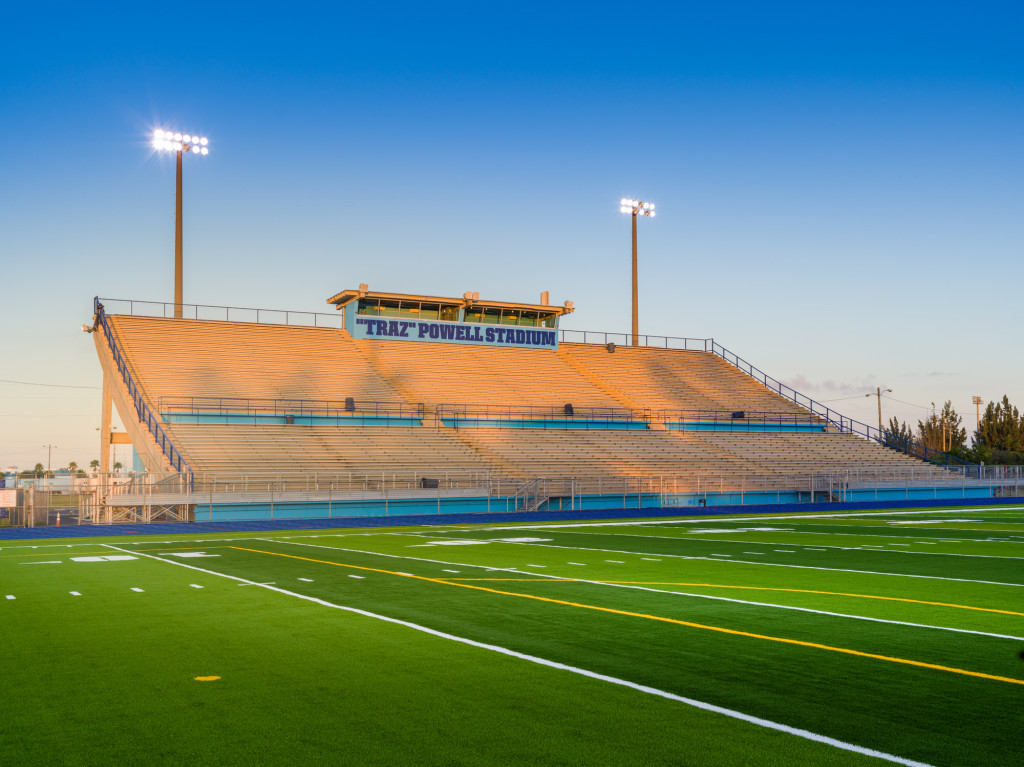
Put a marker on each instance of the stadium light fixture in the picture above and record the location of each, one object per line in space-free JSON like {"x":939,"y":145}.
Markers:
{"x":976,"y":401}
{"x":169,"y":141}
{"x":637,"y":208}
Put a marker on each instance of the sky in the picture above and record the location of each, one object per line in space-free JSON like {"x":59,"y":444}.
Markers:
{"x":839,"y":187}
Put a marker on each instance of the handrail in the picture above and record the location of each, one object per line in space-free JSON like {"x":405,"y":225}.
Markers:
{"x":223,"y":313}
{"x":253,"y":406}
{"x":841,"y":422}
{"x":142,"y":410}
{"x":567,"y":335}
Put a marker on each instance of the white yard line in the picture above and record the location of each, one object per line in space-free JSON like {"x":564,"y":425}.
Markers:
{"x":862,"y":547}
{"x":693,"y":595}
{"x":669,"y":556}
{"x":725,"y":519}
{"x":758,"y":721}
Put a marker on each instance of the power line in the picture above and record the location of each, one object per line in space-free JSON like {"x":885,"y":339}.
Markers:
{"x":59,"y":386}
{"x":912,"y":404}
{"x":841,"y":399}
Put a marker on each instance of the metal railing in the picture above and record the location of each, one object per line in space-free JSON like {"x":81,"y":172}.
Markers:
{"x":838,"y":420}
{"x":142,"y":409}
{"x":626,"y":339}
{"x":224,"y":313}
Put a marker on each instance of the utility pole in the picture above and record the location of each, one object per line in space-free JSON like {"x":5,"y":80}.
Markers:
{"x":977,"y":411}
{"x":878,"y":393}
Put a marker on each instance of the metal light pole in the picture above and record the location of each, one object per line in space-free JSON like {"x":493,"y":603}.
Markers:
{"x":636,"y":207}
{"x":977,"y":411}
{"x":178,"y":143}
{"x":878,"y":393}
{"x":49,"y":456}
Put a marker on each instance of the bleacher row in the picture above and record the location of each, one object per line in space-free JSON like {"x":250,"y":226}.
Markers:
{"x":188,"y":358}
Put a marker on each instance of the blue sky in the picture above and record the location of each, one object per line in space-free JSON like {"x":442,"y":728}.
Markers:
{"x":839,"y":188}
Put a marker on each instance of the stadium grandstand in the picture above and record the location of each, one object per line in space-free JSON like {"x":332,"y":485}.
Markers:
{"x":399,"y":404}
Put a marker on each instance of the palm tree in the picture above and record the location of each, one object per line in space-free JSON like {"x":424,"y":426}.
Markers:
{"x":94,"y":464}
{"x":117,"y":466}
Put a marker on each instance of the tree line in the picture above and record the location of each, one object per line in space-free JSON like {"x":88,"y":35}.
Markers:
{"x":39,"y":471}
{"x":999,"y":438}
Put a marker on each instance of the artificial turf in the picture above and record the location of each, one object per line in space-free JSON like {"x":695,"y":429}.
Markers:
{"x":109,"y":675}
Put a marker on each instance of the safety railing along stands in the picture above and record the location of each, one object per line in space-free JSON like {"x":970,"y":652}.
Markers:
{"x":142,"y":410}
{"x":841,"y":422}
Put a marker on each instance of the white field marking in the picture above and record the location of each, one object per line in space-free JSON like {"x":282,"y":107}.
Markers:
{"x":54,"y":562}
{"x":756,"y":553}
{"x":798,"y":567}
{"x":307,"y":580}
{"x":615,"y":561}
{"x":398,"y":573}
{"x":11,"y":596}
{"x":360,"y":577}
{"x":77,"y":593}
{"x":195,"y":585}
{"x":520,"y":540}
{"x":864,"y":547}
{"x":785,"y":551}
{"x":116,"y":558}
{"x":270,"y":583}
{"x":447,"y":543}
{"x":636,"y":587}
{"x":191,"y":554}
{"x":670,"y":556}
{"x":758,"y":721}
{"x":136,"y":589}
{"x":581,"y":564}
{"x":810,"y":549}
{"x":527,"y":566}
{"x":926,"y":543}
{"x":649,"y":559}
{"x":451,"y":571}
{"x":762,"y":519}
{"x":899,"y":544}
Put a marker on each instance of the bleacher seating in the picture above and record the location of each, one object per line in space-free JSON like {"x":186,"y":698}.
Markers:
{"x":189,"y":358}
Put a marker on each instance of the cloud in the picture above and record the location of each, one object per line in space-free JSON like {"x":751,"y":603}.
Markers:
{"x":830,"y":387}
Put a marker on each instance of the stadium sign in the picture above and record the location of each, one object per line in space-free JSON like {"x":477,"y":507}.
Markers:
{"x":452,"y":333}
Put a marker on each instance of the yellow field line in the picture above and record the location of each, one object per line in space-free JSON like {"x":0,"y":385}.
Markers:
{"x":811,"y":591}
{"x":754,"y":588}
{"x":659,"y":618}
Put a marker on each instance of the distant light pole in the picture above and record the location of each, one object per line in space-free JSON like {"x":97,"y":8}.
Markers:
{"x":49,"y":456}
{"x":636,"y":207}
{"x":977,"y":411}
{"x":178,"y":142}
{"x":878,"y":393}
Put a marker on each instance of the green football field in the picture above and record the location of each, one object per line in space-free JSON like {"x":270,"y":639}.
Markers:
{"x":818,"y":639}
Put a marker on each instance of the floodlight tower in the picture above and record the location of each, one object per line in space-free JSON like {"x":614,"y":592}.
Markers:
{"x":168,"y":141}
{"x":637,"y":208}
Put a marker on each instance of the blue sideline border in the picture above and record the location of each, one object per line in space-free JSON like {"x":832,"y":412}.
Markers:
{"x":444,"y":520}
